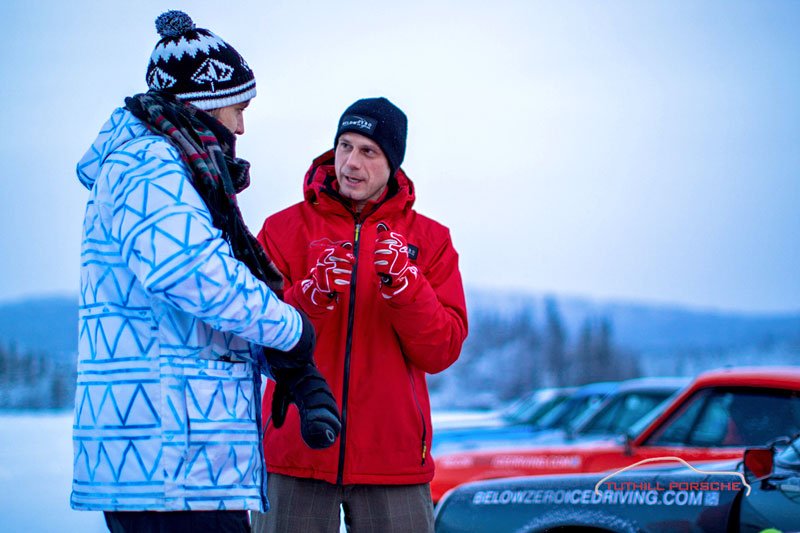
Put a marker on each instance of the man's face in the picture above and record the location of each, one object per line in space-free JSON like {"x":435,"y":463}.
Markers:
{"x":361,"y":168}
{"x":232,"y":116}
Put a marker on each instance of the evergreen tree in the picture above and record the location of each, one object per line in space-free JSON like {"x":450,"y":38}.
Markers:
{"x":597,"y":359}
{"x":62,"y":389}
{"x":524,"y":340}
{"x":555,"y":363}
{"x":583,"y":368}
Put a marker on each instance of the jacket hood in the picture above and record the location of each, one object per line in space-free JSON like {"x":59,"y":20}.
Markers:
{"x":320,"y":182}
{"x":118,"y":130}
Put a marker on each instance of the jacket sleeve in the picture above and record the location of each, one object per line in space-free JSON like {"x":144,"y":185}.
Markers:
{"x":431,"y":322}
{"x":293,"y":293}
{"x":168,"y":240}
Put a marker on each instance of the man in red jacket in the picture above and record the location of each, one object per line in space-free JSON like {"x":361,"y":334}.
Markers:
{"x":381,"y":284}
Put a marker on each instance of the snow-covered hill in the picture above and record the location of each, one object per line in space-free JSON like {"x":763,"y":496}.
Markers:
{"x":518,"y":341}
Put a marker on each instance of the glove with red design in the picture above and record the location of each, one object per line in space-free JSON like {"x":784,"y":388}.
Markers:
{"x":330,"y":276}
{"x":397,"y":274}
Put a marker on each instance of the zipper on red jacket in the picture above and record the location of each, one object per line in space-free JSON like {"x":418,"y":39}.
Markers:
{"x":421,"y":417}
{"x":351,"y":313}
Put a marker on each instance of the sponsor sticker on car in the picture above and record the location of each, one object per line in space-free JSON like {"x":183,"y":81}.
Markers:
{"x":536,"y":461}
{"x":697,"y":498}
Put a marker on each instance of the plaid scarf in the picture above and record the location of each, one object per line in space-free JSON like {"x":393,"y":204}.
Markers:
{"x":207,"y":147}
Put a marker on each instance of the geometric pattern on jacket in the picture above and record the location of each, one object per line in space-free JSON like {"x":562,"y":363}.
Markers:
{"x":167,"y":408}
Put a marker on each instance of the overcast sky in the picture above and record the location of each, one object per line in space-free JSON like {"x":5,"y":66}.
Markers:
{"x":639,"y":151}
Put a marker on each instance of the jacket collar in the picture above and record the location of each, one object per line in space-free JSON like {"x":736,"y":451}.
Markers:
{"x":321,"y":190}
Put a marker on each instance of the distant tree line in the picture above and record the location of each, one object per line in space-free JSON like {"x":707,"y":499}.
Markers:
{"x":507,"y":355}
{"x":34,"y":380}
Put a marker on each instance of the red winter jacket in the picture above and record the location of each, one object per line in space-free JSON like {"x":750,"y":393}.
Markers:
{"x":373,"y":352}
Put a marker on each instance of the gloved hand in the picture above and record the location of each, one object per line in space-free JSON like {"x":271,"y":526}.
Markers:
{"x":298,"y":381}
{"x":320,"y":422}
{"x":397,"y":274}
{"x":330,"y":276}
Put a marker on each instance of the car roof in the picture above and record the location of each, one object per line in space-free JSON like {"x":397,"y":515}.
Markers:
{"x":666,"y":383}
{"x":595,"y":388}
{"x":752,"y":376}
{"x":548,"y":392}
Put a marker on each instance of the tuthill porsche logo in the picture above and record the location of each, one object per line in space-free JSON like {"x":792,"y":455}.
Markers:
{"x":673,"y":485}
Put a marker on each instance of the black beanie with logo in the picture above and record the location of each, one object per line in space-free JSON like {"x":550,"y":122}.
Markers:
{"x":381,"y":121}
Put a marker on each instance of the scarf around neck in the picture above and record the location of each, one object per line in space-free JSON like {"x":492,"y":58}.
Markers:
{"x":207,"y":148}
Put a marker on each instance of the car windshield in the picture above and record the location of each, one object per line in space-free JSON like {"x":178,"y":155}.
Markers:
{"x":621,"y":412}
{"x":570,"y":410}
{"x":644,"y":422}
{"x":530,"y":409}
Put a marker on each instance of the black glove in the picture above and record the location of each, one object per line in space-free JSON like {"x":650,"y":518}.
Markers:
{"x":319,"y":415}
{"x":298,"y":381}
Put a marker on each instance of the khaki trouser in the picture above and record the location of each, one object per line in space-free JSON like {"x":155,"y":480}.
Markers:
{"x":313,"y":506}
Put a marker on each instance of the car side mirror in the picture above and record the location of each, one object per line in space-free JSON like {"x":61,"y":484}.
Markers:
{"x":758,"y":460}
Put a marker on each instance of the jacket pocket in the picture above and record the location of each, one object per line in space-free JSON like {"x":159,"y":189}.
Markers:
{"x":424,"y":426}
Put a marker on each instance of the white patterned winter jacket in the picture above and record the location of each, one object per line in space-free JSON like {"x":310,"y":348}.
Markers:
{"x":167,"y":409}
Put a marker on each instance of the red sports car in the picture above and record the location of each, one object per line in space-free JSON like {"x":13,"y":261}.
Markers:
{"x":716,"y":417}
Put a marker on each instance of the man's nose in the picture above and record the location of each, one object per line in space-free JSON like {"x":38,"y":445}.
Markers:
{"x":239,"y":128}
{"x":353,"y":159}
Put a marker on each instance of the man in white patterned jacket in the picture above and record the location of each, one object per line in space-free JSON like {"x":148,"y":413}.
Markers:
{"x":177,"y":300}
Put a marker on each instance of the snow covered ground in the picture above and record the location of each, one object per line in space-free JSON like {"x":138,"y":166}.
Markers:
{"x":36,"y":475}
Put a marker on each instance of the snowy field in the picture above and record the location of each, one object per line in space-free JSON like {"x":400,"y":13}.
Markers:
{"x":36,"y":475}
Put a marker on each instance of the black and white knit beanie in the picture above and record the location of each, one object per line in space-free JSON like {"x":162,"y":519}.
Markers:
{"x":197,"y":66}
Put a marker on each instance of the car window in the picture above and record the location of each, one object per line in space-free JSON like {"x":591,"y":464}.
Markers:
{"x":569,"y":411}
{"x":731,"y":417}
{"x":676,"y":430}
{"x":553,"y":418}
{"x":643,"y":423}
{"x":514,"y":410}
{"x":711,"y":426}
{"x":621,"y":412}
{"x":603,"y":420}
{"x":532,"y":410}
{"x":759,"y":417}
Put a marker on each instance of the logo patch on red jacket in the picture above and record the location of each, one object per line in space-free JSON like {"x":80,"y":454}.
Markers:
{"x":413,"y":252}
